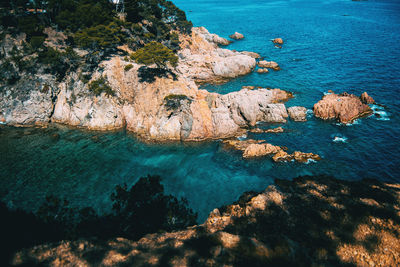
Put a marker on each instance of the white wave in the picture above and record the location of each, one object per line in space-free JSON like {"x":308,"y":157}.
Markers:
{"x":342,"y":139}
{"x":355,"y":122}
{"x":327,"y":93}
{"x":379,"y":113}
{"x":310,"y":161}
{"x":309,"y":112}
{"x":2,"y":123}
{"x":243,"y":137}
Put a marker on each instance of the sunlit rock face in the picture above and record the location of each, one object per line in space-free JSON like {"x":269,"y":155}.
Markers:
{"x":170,"y":107}
{"x":345,"y":108}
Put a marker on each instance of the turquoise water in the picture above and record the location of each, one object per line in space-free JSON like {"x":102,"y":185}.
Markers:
{"x":329,"y":45}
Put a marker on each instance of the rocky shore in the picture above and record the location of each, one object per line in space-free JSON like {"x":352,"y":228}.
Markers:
{"x":170,"y":108}
{"x":310,"y":221}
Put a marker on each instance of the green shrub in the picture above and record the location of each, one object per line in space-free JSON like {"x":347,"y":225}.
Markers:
{"x":36,"y":42}
{"x":155,"y":53}
{"x":100,"y":36}
{"x":99,"y":86}
{"x":128,"y":67}
{"x":173,"y":102}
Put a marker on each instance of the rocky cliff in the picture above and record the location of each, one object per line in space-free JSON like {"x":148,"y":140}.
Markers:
{"x":169,"y":108}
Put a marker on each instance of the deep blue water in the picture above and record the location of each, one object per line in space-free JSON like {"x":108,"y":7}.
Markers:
{"x":329,"y":45}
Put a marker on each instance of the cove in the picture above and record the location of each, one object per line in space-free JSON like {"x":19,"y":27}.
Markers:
{"x":324,"y":50}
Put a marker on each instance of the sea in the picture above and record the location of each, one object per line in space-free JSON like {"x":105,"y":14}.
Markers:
{"x":339,"y":45}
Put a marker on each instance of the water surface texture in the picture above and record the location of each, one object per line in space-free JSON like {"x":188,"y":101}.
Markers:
{"x":329,"y":45}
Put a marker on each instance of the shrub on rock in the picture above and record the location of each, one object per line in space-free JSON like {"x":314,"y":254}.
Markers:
{"x":155,"y":53}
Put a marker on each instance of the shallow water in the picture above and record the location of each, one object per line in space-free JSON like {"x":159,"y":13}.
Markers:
{"x":324,"y":50}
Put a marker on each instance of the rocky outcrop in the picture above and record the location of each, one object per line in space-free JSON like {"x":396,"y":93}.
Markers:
{"x":366,"y":99}
{"x":262,"y":70}
{"x":273,"y":130}
{"x":298,"y":113}
{"x":310,"y":221}
{"x":258,"y":148}
{"x":345,"y":108}
{"x":29,"y":102}
{"x":268,"y":64}
{"x":170,"y":108}
{"x":204,"y":62}
{"x":236,"y":36}
{"x":251,"y":54}
{"x":298,"y":156}
{"x":278,"y":41}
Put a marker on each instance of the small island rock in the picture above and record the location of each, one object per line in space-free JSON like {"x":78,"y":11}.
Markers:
{"x":298,"y":113}
{"x":268,"y":64}
{"x":262,"y":70}
{"x":345,"y":108}
{"x":278,"y":41}
{"x":236,"y":36}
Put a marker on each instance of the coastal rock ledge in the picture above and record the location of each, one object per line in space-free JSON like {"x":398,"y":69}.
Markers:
{"x":310,"y":221}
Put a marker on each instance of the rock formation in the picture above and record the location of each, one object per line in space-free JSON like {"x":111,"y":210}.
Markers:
{"x":298,"y":113}
{"x":278,"y":41}
{"x":170,"y":108}
{"x":204,"y":62}
{"x":258,"y":148}
{"x":262,"y":70}
{"x":366,"y":99}
{"x":236,"y":36}
{"x":345,"y":108}
{"x":310,"y":221}
{"x":273,"y":130}
{"x":268,"y":64}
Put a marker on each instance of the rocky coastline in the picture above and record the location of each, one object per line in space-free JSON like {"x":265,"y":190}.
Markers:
{"x":168,"y":108}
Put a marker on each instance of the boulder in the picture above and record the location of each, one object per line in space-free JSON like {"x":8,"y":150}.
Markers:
{"x":345,"y":108}
{"x":236,"y":36}
{"x":262,"y":70}
{"x":268,"y":64}
{"x":298,"y":113}
{"x":366,"y":99}
{"x":277,"y":41}
{"x":258,"y":150}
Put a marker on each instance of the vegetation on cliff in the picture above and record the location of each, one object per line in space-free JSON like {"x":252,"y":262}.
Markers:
{"x":93,"y":27}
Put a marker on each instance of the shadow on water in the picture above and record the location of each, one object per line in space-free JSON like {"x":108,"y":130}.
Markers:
{"x":318,"y":223}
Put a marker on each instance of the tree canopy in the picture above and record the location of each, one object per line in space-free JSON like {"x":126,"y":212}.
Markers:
{"x":155,"y":53}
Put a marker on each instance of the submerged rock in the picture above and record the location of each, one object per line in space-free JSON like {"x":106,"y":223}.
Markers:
{"x":236,"y":36}
{"x":298,"y":113}
{"x":345,"y":108}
